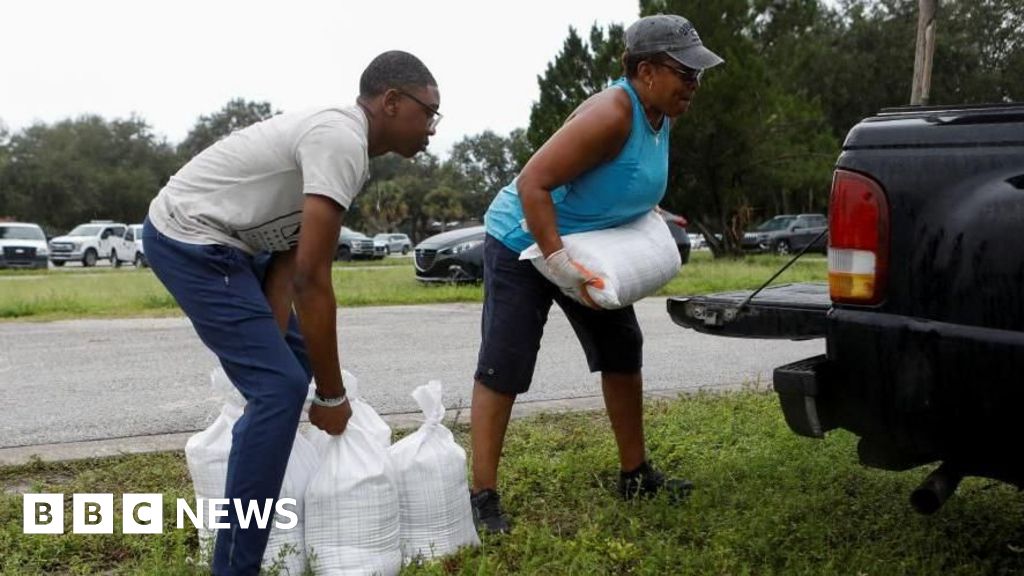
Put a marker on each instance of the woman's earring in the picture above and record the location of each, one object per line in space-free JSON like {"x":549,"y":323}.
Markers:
{"x":650,"y":85}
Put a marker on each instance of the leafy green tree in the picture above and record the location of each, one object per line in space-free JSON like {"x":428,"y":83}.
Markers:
{"x":577,"y":72}
{"x":82,"y":169}
{"x":858,"y":57}
{"x":444,"y":204}
{"x":979,"y":52}
{"x":408,"y":181}
{"x":485,"y":163}
{"x":854,"y":62}
{"x":520,"y":148}
{"x":235,"y":115}
{"x":748,"y":147}
{"x":384,"y":207}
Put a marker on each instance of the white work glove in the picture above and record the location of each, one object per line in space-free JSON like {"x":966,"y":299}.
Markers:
{"x":572,"y":277}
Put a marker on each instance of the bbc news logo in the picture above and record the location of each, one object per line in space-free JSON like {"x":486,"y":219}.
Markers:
{"x":144,"y":513}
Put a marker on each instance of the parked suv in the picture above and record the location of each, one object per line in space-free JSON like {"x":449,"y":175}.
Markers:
{"x":394,"y":243}
{"x":787,"y":233}
{"x":22,"y":245}
{"x":352,"y":244}
{"x":89,"y":243}
{"x":134,"y":235}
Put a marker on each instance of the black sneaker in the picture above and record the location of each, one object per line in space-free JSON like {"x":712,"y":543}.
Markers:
{"x":646,"y":482}
{"x":487,"y":514}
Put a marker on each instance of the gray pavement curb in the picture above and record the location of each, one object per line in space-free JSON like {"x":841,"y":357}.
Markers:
{"x":19,"y":455}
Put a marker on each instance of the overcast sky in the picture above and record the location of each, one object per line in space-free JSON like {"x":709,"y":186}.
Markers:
{"x":172,"y":61}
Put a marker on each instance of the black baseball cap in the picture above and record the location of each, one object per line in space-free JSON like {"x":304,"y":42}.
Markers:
{"x":673,"y":35}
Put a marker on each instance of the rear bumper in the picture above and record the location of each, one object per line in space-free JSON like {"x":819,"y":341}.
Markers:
{"x":797,"y":385}
{"x":916,"y":391}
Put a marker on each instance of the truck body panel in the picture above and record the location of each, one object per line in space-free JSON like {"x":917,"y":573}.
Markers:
{"x":935,"y":370}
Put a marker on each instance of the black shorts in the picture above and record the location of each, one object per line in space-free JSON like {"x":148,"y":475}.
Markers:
{"x":516,"y":303}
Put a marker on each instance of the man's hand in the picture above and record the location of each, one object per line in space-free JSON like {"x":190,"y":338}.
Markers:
{"x":330,"y":420}
{"x":572,"y":277}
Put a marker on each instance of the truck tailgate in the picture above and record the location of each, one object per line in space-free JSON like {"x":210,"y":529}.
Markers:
{"x":787,"y":311}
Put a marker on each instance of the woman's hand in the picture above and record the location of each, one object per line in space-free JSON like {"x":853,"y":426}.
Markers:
{"x":573,"y":277}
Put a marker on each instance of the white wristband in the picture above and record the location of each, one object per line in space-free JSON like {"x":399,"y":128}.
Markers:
{"x":329,"y":402}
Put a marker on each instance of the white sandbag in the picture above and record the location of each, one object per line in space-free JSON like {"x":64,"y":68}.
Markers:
{"x":225,"y":391}
{"x":436,"y":517}
{"x":206,"y":454}
{"x":363,"y":416}
{"x":352,"y":519}
{"x":633,"y":260}
{"x":286,"y":549}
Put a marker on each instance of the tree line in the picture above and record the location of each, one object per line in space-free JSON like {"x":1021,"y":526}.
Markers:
{"x":760,"y":139}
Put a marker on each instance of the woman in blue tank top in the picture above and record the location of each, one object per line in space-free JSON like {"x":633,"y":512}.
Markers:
{"x":606,"y":166}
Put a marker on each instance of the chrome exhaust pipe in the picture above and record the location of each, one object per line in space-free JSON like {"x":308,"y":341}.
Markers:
{"x":936,"y":489}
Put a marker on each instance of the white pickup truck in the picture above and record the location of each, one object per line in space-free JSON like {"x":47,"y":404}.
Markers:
{"x":89,"y":243}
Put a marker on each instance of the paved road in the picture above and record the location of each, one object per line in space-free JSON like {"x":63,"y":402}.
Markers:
{"x":84,"y":380}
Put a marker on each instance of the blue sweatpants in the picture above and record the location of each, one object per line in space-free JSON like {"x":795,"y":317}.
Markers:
{"x":220,"y":289}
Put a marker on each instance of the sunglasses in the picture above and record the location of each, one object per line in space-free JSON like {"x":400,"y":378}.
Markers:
{"x":433,"y":116}
{"x":687,"y":75}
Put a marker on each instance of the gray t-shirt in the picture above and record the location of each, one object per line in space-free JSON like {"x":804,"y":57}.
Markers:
{"x":247,"y":190}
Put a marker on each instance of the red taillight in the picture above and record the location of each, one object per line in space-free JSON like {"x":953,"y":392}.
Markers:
{"x":858,"y":251}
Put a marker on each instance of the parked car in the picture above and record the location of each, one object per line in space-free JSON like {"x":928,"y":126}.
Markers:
{"x":677,"y":226}
{"x":787,"y":233}
{"x":134,"y":235}
{"x":922,"y":316}
{"x":22,"y":245}
{"x":88,"y":243}
{"x":356,"y":245}
{"x":395,"y":243}
{"x":456,"y":256}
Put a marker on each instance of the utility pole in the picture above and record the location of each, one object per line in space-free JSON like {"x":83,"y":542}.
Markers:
{"x":923,"y":54}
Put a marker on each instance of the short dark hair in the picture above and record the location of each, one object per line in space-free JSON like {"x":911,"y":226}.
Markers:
{"x":394,"y":69}
{"x":631,"y":62}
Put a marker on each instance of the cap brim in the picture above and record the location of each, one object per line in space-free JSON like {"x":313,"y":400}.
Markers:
{"x":696,"y":57}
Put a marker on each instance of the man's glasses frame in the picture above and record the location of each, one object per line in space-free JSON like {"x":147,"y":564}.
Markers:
{"x":687,"y":75}
{"x":433,"y":116}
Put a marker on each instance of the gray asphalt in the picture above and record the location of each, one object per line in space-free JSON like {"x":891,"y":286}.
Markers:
{"x":84,"y":380}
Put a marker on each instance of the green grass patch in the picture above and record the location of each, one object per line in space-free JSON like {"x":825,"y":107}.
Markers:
{"x":767,"y":502}
{"x":384,"y":262}
{"x":127,"y":292}
{"x":705,"y":274}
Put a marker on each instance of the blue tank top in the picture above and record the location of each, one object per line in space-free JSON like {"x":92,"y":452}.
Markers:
{"x":607,"y":195}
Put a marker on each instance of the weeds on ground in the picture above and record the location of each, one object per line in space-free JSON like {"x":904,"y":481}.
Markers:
{"x":766,"y":502}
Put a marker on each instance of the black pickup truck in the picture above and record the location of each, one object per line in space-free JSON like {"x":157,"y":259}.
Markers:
{"x":923,"y":313}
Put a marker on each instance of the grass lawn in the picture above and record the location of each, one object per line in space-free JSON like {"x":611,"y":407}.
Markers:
{"x":767,"y":502}
{"x":109,"y":293}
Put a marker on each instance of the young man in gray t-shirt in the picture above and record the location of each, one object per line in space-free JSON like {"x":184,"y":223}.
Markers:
{"x":279,"y":188}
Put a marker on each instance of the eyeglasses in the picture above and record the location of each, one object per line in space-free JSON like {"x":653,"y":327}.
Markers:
{"x":688,"y":75}
{"x":433,"y":116}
